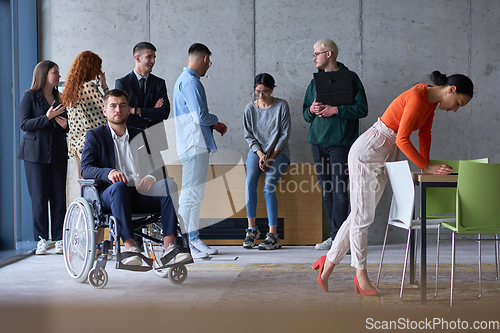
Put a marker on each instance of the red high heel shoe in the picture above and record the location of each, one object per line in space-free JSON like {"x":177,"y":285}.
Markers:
{"x":319,"y":265}
{"x":357,"y":289}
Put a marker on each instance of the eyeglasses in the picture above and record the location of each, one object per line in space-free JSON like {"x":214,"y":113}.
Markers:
{"x":316,"y":54}
{"x":263,"y":92}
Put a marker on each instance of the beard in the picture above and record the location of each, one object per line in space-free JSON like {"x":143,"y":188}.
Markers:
{"x":118,"y":121}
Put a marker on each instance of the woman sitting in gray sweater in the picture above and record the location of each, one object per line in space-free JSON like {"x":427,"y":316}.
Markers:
{"x":267,"y":130}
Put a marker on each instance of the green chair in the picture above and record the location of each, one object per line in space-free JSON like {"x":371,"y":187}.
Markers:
{"x":477,"y":208}
{"x":442,"y":200}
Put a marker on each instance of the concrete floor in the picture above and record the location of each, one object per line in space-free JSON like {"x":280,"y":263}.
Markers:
{"x":244,"y":291}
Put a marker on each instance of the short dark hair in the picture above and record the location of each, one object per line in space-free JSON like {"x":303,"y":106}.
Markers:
{"x":198,"y":48}
{"x":463,"y":84}
{"x":139,"y":47}
{"x":115,"y":93}
{"x":265,"y":79}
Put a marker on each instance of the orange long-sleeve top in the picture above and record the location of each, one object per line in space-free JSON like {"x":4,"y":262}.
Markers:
{"x":409,"y":112}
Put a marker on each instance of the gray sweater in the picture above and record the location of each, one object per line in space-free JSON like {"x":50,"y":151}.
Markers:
{"x":268,"y":128}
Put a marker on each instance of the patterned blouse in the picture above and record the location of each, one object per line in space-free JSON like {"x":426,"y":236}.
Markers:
{"x":86,"y":115}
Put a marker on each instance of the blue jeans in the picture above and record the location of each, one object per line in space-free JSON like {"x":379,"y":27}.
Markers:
{"x":194,"y":177}
{"x":331,"y":168}
{"x":273,"y":173}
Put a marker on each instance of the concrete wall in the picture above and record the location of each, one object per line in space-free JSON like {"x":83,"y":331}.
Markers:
{"x":391,"y":44}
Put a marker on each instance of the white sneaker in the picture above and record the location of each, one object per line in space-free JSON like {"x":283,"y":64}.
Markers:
{"x":59,"y":247}
{"x":179,"y":258}
{"x":326,"y":245}
{"x":41,"y":247}
{"x":197,"y":254}
{"x":202,"y":247}
{"x":134,"y":260}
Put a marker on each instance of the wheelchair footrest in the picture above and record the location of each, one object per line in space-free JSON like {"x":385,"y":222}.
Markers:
{"x":120,"y":265}
{"x":182,"y":263}
{"x":123,"y":255}
{"x":166,"y":259}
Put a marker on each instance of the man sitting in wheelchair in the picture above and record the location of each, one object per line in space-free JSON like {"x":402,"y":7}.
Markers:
{"x":110,"y":155}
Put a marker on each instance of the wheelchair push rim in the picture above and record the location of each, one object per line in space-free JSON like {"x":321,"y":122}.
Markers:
{"x":79,"y":239}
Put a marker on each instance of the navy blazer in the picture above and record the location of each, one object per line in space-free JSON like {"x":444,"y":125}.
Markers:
{"x":44,"y":141}
{"x":98,"y":157}
{"x":155,"y":89}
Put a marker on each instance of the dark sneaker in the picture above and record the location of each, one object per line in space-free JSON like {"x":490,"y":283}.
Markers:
{"x":271,"y":242}
{"x":250,"y":238}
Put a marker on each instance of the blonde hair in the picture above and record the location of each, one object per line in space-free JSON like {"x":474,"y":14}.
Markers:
{"x":329,"y":45}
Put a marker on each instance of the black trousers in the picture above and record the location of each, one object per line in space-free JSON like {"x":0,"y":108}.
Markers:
{"x":47,"y":184}
{"x":331,"y":168}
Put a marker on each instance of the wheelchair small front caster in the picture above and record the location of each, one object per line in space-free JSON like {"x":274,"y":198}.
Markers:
{"x":177,"y":274}
{"x":98,"y":279}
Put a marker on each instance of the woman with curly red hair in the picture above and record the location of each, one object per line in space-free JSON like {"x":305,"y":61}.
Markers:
{"x":83,"y":99}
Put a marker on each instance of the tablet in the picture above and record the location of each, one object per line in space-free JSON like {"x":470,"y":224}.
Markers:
{"x":334,"y":88}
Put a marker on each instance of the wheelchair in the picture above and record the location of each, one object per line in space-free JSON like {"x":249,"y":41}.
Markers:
{"x":83,"y":219}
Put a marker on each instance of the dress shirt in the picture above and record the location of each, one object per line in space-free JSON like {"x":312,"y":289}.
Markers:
{"x":124,"y":161}
{"x":192,"y":118}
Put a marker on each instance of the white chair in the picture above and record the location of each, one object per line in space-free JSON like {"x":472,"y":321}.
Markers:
{"x":402,"y":208}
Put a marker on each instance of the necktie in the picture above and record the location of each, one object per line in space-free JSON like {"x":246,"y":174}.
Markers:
{"x":142,"y":84}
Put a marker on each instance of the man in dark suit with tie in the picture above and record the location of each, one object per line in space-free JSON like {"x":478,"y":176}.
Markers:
{"x":148,"y":93}
{"x":112,"y":154}
{"x":149,"y":104}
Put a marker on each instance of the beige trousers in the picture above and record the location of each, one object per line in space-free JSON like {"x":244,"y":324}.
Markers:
{"x":367,"y":179}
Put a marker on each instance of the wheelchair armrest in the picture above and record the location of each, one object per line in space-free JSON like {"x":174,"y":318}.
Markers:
{"x":90,"y":182}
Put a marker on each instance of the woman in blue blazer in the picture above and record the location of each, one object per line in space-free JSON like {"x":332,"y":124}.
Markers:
{"x":45,"y":153}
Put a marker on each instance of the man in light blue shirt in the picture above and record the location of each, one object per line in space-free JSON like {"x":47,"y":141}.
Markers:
{"x":194,"y":125}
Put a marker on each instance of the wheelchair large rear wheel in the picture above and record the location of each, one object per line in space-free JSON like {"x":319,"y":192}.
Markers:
{"x":79,"y":239}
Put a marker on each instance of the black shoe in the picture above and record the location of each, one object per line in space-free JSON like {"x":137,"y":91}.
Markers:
{"x":271,"y":242}
{"x":250,"y":238}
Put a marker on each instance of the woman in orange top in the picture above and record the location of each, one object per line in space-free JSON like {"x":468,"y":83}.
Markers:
{"x":412,"y":110}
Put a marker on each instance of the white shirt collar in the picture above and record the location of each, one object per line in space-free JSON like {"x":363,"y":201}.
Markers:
{"x":123,"y":138}
{"x":139,"y":77}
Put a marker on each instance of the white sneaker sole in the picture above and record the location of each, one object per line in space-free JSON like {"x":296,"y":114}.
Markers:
{"x":273,"y":247}
{"x":205,"y":249}
{"x":183,"y":257}
{"x":132,"y":261}
{"x":248,"y":245}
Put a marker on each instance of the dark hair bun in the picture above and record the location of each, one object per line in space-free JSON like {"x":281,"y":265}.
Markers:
{"x":438,"y":78}
{"x":463,"y":84}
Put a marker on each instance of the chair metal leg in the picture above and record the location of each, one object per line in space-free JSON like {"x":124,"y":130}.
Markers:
{"x":437,"y":261}
{"x":382,"y":256}
{"x":479,"y":252}
{"x":415,"y":259}
{"x":452,"y":267}
{"x":496,"y":258}
{"x":405,"y":262}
